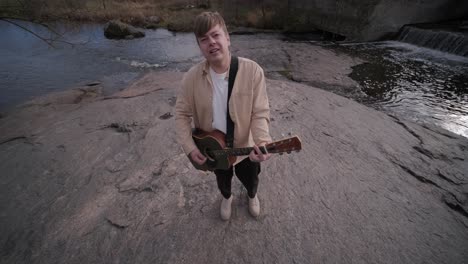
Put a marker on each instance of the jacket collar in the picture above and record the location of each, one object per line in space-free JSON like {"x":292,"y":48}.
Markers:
{"x":206,"y":69}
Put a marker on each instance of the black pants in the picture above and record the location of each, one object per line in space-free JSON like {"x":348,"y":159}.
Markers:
{"x":247,"y":172}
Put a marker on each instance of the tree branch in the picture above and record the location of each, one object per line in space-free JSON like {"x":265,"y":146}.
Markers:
{"x":49,"y":41}
{"x":28,"y":30}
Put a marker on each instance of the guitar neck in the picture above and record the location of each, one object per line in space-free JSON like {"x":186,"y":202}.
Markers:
{"x":285,"y":145}
{"x":232,"y":152}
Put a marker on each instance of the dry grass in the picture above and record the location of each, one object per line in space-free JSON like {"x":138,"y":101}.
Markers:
{"x":128,"y":11}
{"x":176,"y":15}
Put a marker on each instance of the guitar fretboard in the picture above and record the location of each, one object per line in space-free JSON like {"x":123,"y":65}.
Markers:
{"x":230,"y":152}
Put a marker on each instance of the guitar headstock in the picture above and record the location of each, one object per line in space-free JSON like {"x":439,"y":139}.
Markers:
{"x":286,"y":145}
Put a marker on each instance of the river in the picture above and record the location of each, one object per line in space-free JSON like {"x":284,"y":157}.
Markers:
{"x":415,"y":83}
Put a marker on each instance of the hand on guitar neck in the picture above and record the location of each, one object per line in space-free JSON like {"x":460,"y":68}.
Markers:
{"x":258,"y":156}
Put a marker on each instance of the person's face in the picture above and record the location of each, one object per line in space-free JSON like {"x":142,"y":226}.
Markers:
{"x":214,"y":45}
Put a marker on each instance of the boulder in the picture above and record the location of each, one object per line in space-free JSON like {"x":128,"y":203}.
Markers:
{"x":152,"y":22}
{"x":154,"y":19}
{"x":116,"y":29}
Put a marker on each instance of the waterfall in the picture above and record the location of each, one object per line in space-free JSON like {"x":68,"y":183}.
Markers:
{"x":455,"y":42}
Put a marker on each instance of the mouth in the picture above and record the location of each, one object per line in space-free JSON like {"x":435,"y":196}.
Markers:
{"x":213,"y":51}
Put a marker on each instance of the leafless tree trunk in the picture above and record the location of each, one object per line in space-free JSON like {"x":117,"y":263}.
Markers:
{"x":263,"y":13}
{"x":237,"y":10}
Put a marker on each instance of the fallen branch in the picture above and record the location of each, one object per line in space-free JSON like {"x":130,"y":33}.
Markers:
{"x":46,"y":40}
{"x":30,"y":31}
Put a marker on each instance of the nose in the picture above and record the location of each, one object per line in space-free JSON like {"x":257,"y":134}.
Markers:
{"x":211,"y":40}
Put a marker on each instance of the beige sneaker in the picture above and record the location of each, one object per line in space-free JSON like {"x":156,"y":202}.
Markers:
{"x":254,"y":206}
{"x":226,"y":208}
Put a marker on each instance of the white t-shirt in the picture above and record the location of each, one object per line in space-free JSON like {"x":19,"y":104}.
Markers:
{"x":220,"y":95}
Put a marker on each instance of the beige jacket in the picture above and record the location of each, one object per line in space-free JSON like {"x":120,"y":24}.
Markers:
{"x":248,"y":105}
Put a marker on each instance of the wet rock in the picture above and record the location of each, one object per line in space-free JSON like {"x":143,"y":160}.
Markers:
{"x":116,"y":29}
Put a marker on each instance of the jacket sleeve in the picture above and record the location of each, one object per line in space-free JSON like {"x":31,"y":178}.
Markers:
{"x":184,"y":114}
{"x":260,"y":119}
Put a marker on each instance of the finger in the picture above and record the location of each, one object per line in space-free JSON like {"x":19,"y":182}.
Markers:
{"x":260,"y":155}
{"x":200,"y":162}
{"x":201,"y":156}
{"x":254,"y":159}
{"x":252,"y":156}
{"x":257,"y":150}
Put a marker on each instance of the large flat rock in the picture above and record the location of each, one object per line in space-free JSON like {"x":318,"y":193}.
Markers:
{"x":93,"y":179}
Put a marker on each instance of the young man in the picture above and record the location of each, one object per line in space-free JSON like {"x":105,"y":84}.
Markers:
{"x":203,"y":99}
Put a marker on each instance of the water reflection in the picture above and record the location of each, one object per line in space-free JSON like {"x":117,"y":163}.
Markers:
{"x":420,"y":84}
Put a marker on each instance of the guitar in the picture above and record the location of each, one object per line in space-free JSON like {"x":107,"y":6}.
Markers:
{"x":212,"y":145}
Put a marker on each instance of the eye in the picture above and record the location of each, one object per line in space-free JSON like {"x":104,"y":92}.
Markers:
{"x":203,"y":39}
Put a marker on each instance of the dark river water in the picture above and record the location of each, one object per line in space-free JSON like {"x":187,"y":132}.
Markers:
{"x":419,"y":84}
{"x":415,"y":83}
{"x":29,"y":67}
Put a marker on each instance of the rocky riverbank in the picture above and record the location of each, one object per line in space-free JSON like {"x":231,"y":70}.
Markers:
{"x":88,"y":178}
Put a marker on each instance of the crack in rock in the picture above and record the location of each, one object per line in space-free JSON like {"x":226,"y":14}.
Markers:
{"x":130,"y":96}
{"x":418,"y":177}
{"x":166,"y":116}
{"x":438,"y":132}
{"x":430,"y":154}
{"x":454,"y":204}
{"x":425,"y":152}
{"x":13,"y":139}
{"x":439,"y":173}
{"x":118,"y":225}
{"x":398,"y":121}
{"x":138,"y":190}
{"x":120,"y":127}
{"x":87,"y":93}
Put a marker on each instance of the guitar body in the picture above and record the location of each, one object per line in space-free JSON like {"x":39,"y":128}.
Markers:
{"x":210,"y":141}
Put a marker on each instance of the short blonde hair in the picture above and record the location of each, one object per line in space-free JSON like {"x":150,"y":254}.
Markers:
{"x":205,"y":21}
